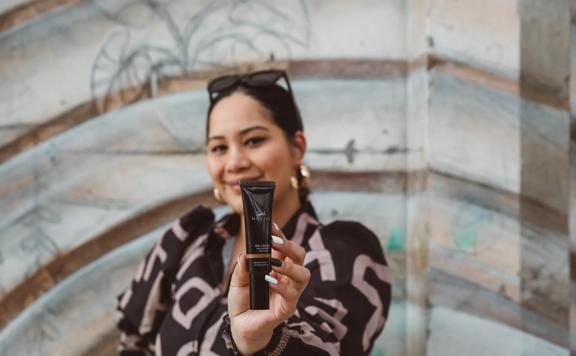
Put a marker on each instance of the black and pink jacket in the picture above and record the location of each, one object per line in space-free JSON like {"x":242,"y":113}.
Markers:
{"x":177,"y":299}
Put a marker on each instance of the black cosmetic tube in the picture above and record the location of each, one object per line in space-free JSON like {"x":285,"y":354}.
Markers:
{"x":257,"y":197}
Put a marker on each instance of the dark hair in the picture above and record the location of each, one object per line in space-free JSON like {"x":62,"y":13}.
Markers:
{"x":283,"y":110}
{"x":276,"y":99}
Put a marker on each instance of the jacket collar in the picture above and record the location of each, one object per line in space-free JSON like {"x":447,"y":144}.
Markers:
{"x":228,"y":225}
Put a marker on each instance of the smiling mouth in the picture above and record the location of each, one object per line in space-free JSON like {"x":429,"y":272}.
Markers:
{"x":235,"y":187}
{"x":237,"y":182}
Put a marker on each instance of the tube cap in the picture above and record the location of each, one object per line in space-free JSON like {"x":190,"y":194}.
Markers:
{"x":259,"y":295}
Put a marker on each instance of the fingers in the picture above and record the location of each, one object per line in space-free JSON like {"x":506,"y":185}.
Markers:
{"x":290,"y":277}
{"x":238,"y":294}
{"x":280,"y":238}
{"x":277,"y":239}
{"x":286,"y":247}
{"x":240,"y":276}
{"x":297,"y":273}
{"x":287,"y":292}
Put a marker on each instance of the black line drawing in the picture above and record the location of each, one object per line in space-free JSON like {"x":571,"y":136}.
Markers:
{"x":215,"y":37}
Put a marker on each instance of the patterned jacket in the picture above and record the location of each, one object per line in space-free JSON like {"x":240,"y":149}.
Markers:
{"x":176,"y":301}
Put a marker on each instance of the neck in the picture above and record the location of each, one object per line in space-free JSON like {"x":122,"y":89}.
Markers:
{"x":283,"y":211}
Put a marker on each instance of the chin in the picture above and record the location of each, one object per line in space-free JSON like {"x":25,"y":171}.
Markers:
{"x":238,"y":209}
{"x":236,"y":204}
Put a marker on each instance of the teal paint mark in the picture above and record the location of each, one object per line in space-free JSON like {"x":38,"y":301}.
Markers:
{"x":396,"y":240}
{"x":465,"y":237}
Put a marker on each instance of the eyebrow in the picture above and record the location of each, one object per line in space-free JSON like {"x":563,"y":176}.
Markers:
{"x":242,"y":132}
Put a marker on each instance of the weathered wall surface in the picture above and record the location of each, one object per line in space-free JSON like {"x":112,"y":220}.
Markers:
{"x":448,"y":120}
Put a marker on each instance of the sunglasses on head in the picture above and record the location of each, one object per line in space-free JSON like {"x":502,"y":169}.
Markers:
{"x":263,"y":78}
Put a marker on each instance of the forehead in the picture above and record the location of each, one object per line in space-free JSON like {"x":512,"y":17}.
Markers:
{"x":237,"y":112}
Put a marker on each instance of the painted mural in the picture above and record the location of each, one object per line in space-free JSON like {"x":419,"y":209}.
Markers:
{"x":439,"y":124}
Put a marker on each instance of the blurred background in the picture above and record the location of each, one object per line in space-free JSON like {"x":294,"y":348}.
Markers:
{"x":442,"y":125}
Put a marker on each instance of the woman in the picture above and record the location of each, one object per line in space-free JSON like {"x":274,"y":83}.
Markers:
{"x":329,"y":288}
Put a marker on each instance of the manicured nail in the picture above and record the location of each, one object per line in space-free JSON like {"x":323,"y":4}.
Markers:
{"x":270,"y":279}
{"x":277,"y":240}
{"x":238,"y":259}
{"x":276,"y":262}
{"x":275,"y":226}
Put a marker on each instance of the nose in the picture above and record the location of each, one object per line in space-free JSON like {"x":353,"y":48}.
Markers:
{"x":237,"y":160}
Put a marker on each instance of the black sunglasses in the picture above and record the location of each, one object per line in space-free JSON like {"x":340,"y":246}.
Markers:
{"x":263,"y":78}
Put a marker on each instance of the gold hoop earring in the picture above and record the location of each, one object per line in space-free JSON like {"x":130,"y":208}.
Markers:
{"x":306,"y":178}
{"x":294,"y":182}
{"x":217,"y":195}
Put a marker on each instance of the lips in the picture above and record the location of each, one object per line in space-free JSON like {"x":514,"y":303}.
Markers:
{"x":235,"y":184}
{"x":237,"y":181}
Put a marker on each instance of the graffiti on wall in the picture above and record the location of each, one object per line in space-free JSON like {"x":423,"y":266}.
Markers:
{"x":221,"y":34}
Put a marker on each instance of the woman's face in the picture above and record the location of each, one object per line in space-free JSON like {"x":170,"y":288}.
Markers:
{"x":244,"y":143}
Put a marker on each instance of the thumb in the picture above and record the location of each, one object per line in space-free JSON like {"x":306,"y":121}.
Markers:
{"x":240,"y":277}
{"x":238,"y":294}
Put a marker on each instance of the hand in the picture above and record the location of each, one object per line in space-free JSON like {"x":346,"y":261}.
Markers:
{"x":253,"y":329}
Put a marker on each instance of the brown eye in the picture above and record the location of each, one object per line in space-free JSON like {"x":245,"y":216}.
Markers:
{"x":254,"y":141}
{"x":218,"y":149}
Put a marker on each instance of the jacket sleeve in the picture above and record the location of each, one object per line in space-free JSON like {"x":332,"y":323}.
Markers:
{"x":345,"y":306}
{"x":141,"y":308}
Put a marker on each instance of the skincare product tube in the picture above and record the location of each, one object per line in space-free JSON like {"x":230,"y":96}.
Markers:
{"x":257,"y":197}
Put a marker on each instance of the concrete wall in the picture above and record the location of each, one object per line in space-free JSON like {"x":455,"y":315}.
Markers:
{"x":449,"y":120}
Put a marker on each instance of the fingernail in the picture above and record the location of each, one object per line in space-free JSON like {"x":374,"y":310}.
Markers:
{"x":275,"y":226}
{"x":277,"y":240}
{"x":276,"y":262}
{"x":270,"y":279}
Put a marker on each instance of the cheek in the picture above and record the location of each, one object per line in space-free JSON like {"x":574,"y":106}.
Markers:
{"x":214,"y":167}
{"x":276,"y":162}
